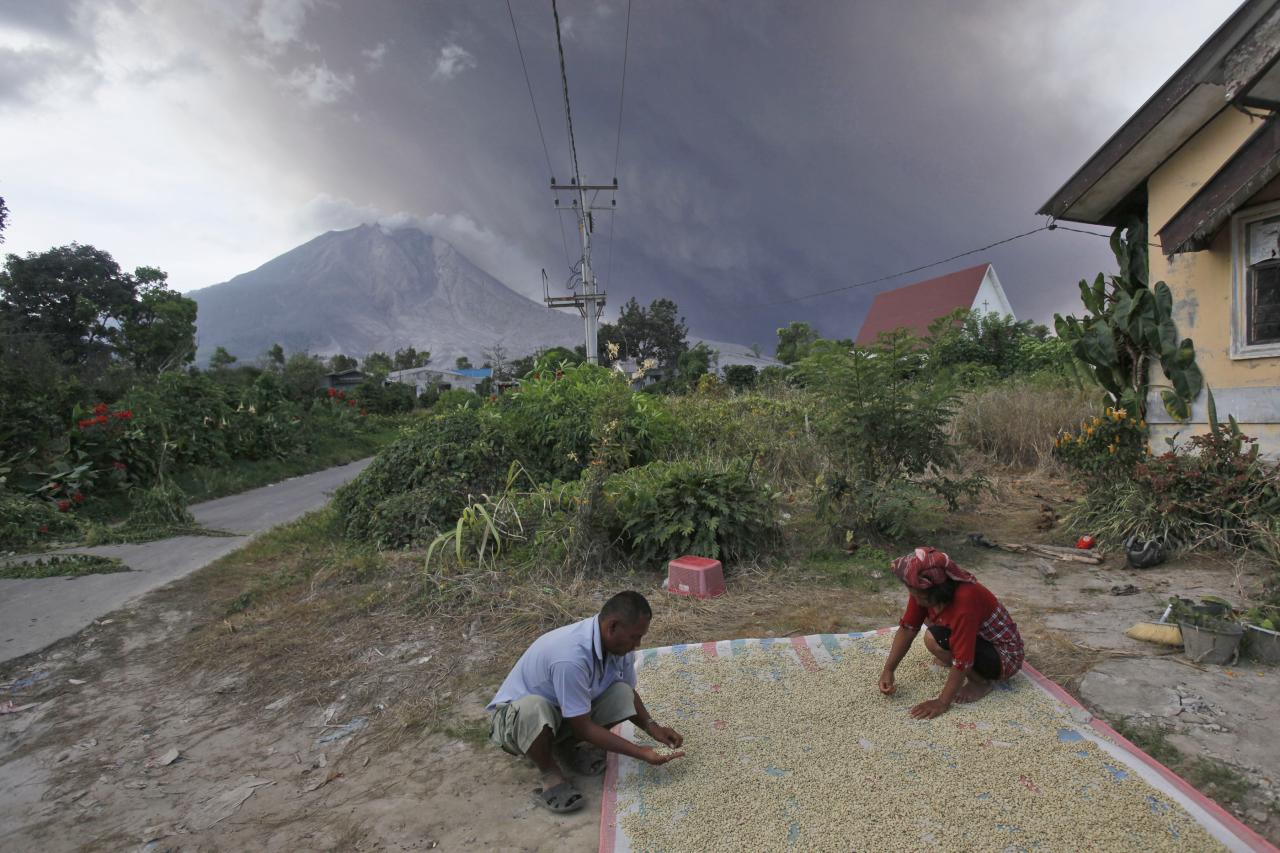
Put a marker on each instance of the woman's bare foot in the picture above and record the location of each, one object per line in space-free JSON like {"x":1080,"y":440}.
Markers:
{"x":973,"y":689}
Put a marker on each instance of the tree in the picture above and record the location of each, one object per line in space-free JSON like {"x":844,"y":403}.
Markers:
{"x":76,"y":298}
{"x":740,"y":377}
{"x":462,"y":363}
{"x":302,"y":375}
{"x":658,"y":333}
{"x":159,"y":333}
{"x":756,"y":350}
{"x":275,"y":356}
{"x":221,"y":359}
{"x":340,"y":362}
{"x":377,"y":364}
{"x":409,"y":358}
{"x":496,"y":356}
{"x":795,"y":341}
{"x":692,"y":365}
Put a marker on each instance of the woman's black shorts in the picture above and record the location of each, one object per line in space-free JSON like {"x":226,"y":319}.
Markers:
{"x":986,"y":660}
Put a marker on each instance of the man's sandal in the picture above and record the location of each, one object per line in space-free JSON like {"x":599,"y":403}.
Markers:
{"x":560,"y":799}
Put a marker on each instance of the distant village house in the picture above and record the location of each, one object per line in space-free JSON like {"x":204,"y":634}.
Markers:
{"x":917,"y":306}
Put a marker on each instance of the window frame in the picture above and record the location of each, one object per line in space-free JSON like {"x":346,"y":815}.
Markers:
{"x":1240,"y":222}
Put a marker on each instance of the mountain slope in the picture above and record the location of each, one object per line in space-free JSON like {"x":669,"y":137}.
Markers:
{"x":369,"y":289}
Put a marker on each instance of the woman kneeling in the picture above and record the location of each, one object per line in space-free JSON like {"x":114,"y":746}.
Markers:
{"x":970,"y":632}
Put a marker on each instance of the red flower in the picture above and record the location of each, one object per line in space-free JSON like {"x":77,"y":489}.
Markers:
{"x":78,"y":498}
{"x":44,"y":528}
{"x":351,"y":402}
{"x":126,"y":415}
{"x":85,"y":423}
{"x":333,"y":392}
{"x":101,"y":419}
{"x":63,"y":506}
{"x":100,"y":409}
{"x":119,"y":466}
{"x":342,"y":395}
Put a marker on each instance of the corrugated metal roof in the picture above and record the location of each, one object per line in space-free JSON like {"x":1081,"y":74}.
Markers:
{"x":917,"y":305}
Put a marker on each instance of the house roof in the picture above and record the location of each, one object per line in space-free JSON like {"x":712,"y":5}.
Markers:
{"x":473,"y":372}
{"x":1236,"y":65}
{"x":1240,"y":178}
{"x":917,"y":305}
{"x":349,"y":373}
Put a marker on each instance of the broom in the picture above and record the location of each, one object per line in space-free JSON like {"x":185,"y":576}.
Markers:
{"x":1157,"y":632}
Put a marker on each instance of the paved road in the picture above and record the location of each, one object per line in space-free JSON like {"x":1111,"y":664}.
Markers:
{"x":35,"y":612}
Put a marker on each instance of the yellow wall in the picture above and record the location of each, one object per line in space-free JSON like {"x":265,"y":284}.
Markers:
{"x":1201,"y":281}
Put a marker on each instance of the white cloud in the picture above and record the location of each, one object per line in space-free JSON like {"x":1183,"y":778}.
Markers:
{"x":319,"y":84}
{"x":375,"y":55}
{"x":453,"y":60}
{"x":280,"y":21}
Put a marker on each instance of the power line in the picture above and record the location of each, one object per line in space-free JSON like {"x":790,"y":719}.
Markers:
{"x":564,"y":77}
{"x":617,"y":148}
{"x":906,"y":272}
{"x":1054,"y":226}
{"x":564,"y":241}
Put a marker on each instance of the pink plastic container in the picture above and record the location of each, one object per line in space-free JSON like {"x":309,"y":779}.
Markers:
{"x":696,"y":576}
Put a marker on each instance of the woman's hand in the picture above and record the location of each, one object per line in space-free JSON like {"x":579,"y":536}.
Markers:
{"x":887,"y":687}
{"x":929,"y":709}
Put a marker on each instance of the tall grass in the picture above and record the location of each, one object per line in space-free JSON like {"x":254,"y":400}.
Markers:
{"x":1016,"y":421}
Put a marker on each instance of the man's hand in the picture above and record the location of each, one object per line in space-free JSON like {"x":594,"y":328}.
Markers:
{"x":887,"y":687}
{"x":649,"y":755}
{"x":664,"y":735}
{"x":930,"y":709}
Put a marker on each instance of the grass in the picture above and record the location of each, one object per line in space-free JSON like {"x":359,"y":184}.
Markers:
{"x":1016,"y":421}
{"x":62,"y":565}
{"x":1213,"y":778}
{"x":209,"y":482}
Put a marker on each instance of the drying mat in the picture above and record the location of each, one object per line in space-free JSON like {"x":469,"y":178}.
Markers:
{"x":1027,"y":768}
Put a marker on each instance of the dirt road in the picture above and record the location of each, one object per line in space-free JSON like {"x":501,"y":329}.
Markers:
{"x":35,"y":612}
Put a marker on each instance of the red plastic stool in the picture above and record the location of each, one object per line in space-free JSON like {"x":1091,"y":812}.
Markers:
{"x":696,"y":576}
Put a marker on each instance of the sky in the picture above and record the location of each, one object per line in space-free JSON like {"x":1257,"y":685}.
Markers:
{"x":764,"y":150}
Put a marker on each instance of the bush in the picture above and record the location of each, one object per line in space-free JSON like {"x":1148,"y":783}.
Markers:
{"x":885,"y":430}
{"x":455,"y":398}
{"x":1217,"y":492}
{"x":770,"y":427}
{"x":25,"y":522}
{"x":664,"y":510}
{"x":378,"y":398}
{"x":553,"y":424}
{"x":1016,"y":421}
{"x":421,"y":482}
{"x":1107,"y":445}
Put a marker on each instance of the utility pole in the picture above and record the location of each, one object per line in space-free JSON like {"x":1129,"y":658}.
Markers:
{"x":588,"y":299}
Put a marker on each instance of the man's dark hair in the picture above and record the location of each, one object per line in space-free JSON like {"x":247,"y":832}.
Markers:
{"x":940,"y":595}
{"x":628,"y":607}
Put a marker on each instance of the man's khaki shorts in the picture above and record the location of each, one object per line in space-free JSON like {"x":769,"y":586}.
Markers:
{"x":516,"y":725}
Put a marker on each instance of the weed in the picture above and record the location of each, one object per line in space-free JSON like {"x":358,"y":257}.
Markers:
{"x":62,"y":565}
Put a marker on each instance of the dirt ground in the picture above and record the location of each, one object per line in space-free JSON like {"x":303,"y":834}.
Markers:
{"x":331,"y":764}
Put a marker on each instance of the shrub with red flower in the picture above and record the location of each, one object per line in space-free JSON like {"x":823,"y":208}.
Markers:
{"x":78,"y":497}
{"x":63,"y":506}
{"x":333,"y":392}
{"x":101,"y":409}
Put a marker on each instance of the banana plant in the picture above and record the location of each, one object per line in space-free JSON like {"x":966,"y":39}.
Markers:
{"x":1129,"y":324}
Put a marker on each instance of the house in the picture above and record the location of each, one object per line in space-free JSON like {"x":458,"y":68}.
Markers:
{"x":916,"y":306}
{"x":729,"y":354}
{"x":1199,"y":161}
{"x":344,"y":379}
{"x":422,"y":378}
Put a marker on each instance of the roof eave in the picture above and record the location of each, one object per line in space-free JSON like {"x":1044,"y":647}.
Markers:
{"x":1222,"y":70}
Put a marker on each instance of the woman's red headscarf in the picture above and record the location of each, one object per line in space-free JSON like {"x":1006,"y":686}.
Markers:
{"x":928,"y":567}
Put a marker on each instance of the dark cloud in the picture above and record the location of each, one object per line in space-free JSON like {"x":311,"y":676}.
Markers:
{"x":768,"y":150}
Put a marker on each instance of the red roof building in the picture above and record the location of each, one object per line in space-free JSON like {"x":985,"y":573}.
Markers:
{"x":917,"y":305}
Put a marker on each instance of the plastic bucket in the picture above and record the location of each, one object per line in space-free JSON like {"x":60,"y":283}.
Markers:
{"x":1216,"y":643}
{"x":1261,"y":644}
